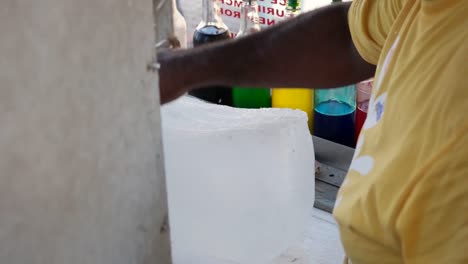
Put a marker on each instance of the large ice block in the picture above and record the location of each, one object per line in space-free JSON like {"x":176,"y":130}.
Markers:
{"x":240,"y":181}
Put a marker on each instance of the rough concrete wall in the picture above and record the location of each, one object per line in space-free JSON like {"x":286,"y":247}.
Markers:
{"x":81,"y":170}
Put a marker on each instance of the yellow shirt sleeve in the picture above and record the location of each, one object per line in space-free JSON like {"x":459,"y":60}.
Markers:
{"x":370,"y":22}
{"x":433,"y":224}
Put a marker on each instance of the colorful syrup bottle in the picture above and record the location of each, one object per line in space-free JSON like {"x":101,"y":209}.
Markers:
{"x":364,"y":90}
{"x":334,"y":113}
{"x":212,"y":29}
{"x":295,"y":98}
{"x":250,"y":97}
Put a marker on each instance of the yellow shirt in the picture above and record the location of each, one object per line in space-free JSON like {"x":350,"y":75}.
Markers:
{"x":405,"y":198}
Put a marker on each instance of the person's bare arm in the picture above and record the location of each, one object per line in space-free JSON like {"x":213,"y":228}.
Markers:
{"x":312,"y":50}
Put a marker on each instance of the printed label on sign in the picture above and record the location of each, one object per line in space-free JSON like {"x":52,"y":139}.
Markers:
{"x":270,"y":12}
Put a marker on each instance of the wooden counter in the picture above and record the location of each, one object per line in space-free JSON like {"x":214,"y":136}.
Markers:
{"x":334,"y":162}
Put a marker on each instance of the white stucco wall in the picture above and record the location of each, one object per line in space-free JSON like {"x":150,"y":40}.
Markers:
{"x":81,"y":165}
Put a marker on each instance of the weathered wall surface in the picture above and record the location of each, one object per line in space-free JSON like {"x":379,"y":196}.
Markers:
{"x":81,"y":169}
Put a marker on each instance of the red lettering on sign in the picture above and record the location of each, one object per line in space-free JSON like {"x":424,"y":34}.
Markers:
{"x":230,"y":13}
{"x":261,"y":9}
{"x":261,"y":20}
{"x":270,"y":22}
{"x":279,"y":13}
{"x":280,"y":2}
{"x":235,"y":3}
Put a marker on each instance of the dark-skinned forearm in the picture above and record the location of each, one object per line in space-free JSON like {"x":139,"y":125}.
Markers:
{"x":312,"y":50}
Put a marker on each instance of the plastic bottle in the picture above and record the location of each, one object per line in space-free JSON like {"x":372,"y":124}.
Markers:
{"x":250,"y":97}
{"x":295,"y":98}
{"x":180,"y":25}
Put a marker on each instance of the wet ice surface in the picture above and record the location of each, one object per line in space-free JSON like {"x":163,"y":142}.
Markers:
{"x":240,"y":182}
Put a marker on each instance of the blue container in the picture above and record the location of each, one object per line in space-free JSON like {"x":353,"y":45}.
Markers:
{"x":334,"y":112}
